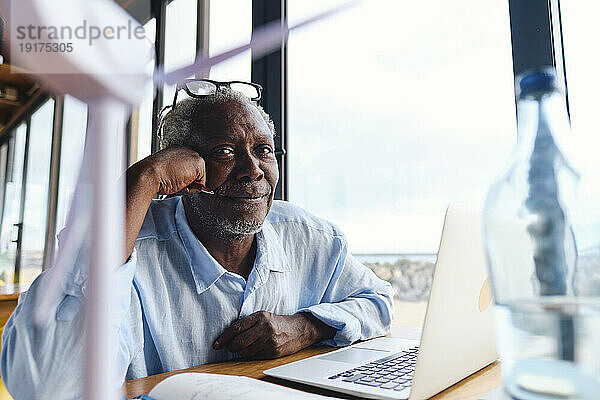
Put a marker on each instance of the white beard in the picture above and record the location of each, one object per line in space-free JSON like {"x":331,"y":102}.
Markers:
{"x":224,"y":228}
{"x":239,"y":227}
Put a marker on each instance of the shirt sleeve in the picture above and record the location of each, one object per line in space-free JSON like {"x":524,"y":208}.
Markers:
{"x":355,"y":302}
{"x":47,"y":361}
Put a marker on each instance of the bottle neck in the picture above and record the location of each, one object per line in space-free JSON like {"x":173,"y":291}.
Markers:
{"x":542,"y":114}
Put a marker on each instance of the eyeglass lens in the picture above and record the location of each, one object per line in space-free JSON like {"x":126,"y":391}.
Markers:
{"x":201,"y":88}
{"x":247,"y":90}
{"x":204,"y":88}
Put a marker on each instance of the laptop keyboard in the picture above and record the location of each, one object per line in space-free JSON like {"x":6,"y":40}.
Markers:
{"x":394,"y":372}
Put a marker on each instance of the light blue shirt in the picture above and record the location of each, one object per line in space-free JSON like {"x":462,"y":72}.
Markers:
{"x":174,"y":299}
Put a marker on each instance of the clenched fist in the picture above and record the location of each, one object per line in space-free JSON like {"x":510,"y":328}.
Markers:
{"x":174,"y":169}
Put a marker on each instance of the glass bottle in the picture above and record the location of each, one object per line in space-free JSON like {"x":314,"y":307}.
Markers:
{"x":542,"y":241}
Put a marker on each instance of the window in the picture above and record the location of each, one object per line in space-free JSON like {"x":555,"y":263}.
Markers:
{"x":36,"y":192}
{"x":583,"y":88}
{"x":71,"y":154}
{"x":142,"y":116}
{"x":394,"y":114}
{"x":230,"y":27}
{"x":581,"y":66}
{"x":180,"y":39}
{"x":12,"y":203}
{"x":3,"y":159}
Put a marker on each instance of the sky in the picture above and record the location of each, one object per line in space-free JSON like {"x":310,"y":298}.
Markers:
{"x":396,"y":109}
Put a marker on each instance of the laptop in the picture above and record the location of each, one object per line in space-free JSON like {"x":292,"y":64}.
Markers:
{"x":457,"y":338}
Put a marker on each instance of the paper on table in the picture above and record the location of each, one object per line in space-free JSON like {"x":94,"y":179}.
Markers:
{"x":196,"y":386}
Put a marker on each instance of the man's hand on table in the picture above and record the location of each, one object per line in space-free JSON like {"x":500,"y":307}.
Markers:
{"x":265,"y":335}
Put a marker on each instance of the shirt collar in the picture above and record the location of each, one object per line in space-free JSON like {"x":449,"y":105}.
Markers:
{"x":269,"y":251}
{"x":206,"y":270}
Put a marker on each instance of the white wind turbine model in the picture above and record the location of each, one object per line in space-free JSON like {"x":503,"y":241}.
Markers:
{"x":110,"y":76}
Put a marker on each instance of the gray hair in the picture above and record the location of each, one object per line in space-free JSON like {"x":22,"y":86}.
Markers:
{"x":191,"y":115}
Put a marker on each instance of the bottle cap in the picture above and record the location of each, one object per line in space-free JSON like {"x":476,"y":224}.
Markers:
{"x":537,"y":80}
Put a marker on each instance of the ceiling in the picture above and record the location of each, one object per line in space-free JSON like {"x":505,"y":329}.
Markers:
{"x":15,"y":88}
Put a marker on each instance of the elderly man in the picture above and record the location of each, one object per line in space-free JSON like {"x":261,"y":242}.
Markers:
{"x":218,"y":271}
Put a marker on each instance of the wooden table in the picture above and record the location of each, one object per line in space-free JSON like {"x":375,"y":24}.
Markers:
{"x":9,"y":295}
{"x":472,"y":387}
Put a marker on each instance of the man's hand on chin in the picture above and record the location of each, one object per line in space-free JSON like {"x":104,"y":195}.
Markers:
{"x":265,"y":335}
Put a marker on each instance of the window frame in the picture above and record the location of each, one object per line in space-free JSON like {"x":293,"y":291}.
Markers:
{"x":270,"y":71}
{"x":19,"y":251}
{"x":537,"y":37}
{"x":54,"y":181}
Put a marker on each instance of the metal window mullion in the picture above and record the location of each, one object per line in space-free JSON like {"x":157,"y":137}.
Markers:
{"x":129,"y":137}
{"x":536,"y":34}
{"x":17,"y":275}
{"x":531,"y":34}
{"x":558,"y":46}
{"x":202,"y":34}
{"x":284,"y":110}
{"x":134,"y":136}
{"x":160,"y":14}
{"x":53,"y":185}
{"x":270,"y":72}
{"x":3,"y":170}
{"x":9,"y":146}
